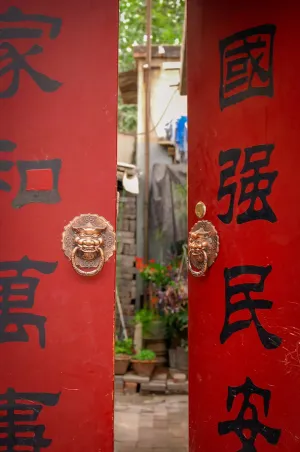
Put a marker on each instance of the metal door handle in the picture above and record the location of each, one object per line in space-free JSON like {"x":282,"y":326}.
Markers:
{"x":203,"y":244}
{"x":88,"y":241}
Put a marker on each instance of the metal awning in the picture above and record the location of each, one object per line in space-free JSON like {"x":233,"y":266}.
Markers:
{"x":128,"y":87}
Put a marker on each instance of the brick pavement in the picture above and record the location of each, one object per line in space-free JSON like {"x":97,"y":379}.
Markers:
{"x":151,"y":423}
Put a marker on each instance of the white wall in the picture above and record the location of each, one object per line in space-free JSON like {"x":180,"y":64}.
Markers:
{"x":125,"y":148}
{"x":166,"y":104}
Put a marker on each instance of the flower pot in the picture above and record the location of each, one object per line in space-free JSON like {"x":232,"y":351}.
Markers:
{"x":143,"y":368}
{"x":172,"y":358}
{"x":182,"y":359}
{"x":157,"y":330}
{"x":121,"y":364}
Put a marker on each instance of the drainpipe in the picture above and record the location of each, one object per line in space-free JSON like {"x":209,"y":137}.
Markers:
{"x":147,"y":75}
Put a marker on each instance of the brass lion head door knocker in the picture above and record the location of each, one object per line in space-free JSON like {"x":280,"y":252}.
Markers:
{"x":203,"y":244}
{"x":88,"y":241}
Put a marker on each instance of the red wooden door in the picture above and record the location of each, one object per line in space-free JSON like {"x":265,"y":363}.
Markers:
{"x":58,"y":91}
{"x":244,"y":97}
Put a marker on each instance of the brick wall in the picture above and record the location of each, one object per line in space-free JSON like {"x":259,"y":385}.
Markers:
{"x":126,"y":253}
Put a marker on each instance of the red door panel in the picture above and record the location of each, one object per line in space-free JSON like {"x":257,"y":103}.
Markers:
{"x":58,"y":91}
{"x":243,"y":76}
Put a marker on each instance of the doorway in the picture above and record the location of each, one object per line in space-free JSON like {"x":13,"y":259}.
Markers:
{"x":151,"y":363}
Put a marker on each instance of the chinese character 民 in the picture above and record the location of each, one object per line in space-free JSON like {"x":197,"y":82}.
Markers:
{"x":247,"y":65}
{"x":6,"y":165}
{"x":39,"y":178}
{"x":18,"y":416}
{"x":15,"y":25}
{"x":243,"y":423}
{"x":254,"y":188}
{"x":17,"y":296}
{"x":269,"y":340}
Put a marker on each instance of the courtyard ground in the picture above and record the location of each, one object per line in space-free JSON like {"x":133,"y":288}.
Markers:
{"x":151,"y":423}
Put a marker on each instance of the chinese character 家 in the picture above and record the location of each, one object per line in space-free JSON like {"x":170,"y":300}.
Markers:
{"x":17,"y":26}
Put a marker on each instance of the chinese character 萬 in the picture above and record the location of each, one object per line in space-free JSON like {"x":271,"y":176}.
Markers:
{"x":17,"y":294}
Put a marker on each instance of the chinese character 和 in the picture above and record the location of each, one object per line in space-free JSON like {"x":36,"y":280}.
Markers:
{"x":247,"y":65}
{"x":6,"y":165}
{"x":39,"y":178}
{"x":269,"y":340}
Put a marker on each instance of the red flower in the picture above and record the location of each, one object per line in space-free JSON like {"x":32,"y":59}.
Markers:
{"x":152,"y":261}
{"x":139,"y":263}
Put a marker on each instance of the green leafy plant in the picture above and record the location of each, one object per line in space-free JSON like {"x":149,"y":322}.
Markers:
{"x":124,"y":347}
{"x":177,"y":326}
{"x":167,"y":28}
{"x":176,"y":313}
{"x":145,"y":355}
{"x":145,"y":317}
{"x":158,"y":274}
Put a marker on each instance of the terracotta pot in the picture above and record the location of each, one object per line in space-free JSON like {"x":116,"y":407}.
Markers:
{"x":121,"y":364}
{"x":182,"y":359}
{"x":143,"y":368}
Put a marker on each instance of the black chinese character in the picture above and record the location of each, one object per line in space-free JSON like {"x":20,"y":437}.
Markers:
{"x":256,"y":158}
{"x":17,"y":62}
{"x":27,"y":195}
{"x":46,"y":196}
{"x":19,"y":412}
{"x":17,"y":293}
{"x":247,"y":65}
{"x":245,"y":427}
{"x":269,"y":340}
{"x":6,"y":165}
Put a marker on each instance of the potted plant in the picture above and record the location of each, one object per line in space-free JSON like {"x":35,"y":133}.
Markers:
{"x":158,"y":277}
{"x":123,"y":353}
{"x":152,"y":324}
{"x":144,"y":363}
{"x":176,"y":320}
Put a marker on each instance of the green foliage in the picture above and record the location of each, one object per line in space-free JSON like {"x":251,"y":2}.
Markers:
{"x":145,"y":317}
{"x":167,"y":28}
{"x":124,"y":347}
{"x":182,"y":191}
{"x":177,"y":325}
{"x":127,"y":117}
{"x":158,"y":274}
{"x":145,"y":355}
